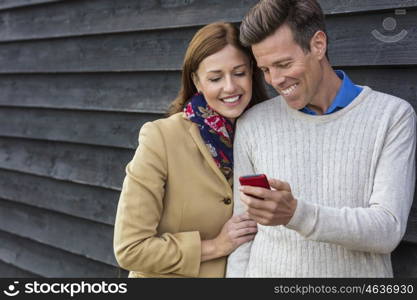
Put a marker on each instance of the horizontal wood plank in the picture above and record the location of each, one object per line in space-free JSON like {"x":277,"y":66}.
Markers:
{"x":351,"y":44}
{"x":95,"y":128}
{"x":411,"y":232}
{"x":331,"y":7}
{"x":92,"y":203}
{"x":96,"y":166}
{"x":146,"y":51}
{"x":77,"y":18}
{"x":88,"y":239}
{"x":149,"y":92}
{"x":10,"y":271}
{"x":8,"y":4}
{"x":404,"y":260}
{"x":48,"y":261}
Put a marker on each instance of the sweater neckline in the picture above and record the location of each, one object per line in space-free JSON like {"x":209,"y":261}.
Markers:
{"x":325,"y":118}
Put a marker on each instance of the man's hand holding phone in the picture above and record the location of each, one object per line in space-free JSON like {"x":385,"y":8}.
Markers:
{"x":267,"y":206}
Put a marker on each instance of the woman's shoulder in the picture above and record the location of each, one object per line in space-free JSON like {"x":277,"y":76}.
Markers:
{"x":170,"y":126}
{"x":172,"y":123}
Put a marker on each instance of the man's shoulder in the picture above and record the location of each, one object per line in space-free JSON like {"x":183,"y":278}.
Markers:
{"x":391,"y":103}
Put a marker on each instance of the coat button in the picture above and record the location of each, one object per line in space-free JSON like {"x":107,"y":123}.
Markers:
{"x":227,"y":201}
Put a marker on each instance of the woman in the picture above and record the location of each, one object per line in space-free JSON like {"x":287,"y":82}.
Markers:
{"x":174,"y":213}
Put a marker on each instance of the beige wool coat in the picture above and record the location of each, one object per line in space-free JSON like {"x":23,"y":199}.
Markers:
{"x":173,"y":197}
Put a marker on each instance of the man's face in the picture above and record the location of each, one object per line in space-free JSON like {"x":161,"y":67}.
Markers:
{"x":294,"y":74}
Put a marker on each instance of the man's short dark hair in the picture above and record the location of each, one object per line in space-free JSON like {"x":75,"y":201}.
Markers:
{"x":304,"y":18}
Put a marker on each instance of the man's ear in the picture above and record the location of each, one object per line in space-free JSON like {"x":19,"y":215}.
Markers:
{"x":318,"y":44}
{"x":196,"y":82}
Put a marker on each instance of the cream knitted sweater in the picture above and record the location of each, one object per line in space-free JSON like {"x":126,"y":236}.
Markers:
{"x":353,"y":174}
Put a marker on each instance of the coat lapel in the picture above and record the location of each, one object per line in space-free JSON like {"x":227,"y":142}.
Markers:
{"x":195,"y":133}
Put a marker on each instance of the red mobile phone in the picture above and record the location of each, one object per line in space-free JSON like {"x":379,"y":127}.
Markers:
{"x":258,"y":180}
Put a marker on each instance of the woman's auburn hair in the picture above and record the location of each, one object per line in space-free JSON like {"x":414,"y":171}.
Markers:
{"x":207,"y":41}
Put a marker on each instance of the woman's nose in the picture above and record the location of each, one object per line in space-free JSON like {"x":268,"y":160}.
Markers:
{"x":230,"y":85}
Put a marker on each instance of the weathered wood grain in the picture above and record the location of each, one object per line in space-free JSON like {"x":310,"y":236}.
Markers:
{"x":145,"y":51}
{"x":351,"y":44}
{"x":77,"y":18}
{"x":88,"y":239}
{"x":404,"y":260}
{"x":10,"y":271}
{"x":411,"y":232}
{"x":86,"y":127}
{"x":331,"y":7}
{"x":48,"y":261}
{"x":8,"y":4}
{"x":92,"y":203}
{"x":96,"y":166}
{"x":149,"y":92}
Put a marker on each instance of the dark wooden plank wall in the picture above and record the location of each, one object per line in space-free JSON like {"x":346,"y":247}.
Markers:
{"x":79,"y":78}
{"x":7,"y":4}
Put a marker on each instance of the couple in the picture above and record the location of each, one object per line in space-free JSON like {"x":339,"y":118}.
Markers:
{"x":339,"y":157}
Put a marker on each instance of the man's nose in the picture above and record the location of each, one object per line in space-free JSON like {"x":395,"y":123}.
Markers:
{"x":277,"y":77}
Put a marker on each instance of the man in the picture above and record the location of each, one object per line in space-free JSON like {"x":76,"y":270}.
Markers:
{"x":342,"y":157}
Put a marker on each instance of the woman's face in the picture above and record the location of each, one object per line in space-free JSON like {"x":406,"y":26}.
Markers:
{"x":225,"y":80}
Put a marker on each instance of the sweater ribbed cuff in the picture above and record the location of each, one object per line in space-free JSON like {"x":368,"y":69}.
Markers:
{"x":304,"y":219}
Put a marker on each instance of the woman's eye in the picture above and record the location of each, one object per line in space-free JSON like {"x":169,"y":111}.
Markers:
{"x":240,"y":74}
{"x":214,"y":79}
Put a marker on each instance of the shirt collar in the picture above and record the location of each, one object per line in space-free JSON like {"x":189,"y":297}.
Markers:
{"x":346,"y":94}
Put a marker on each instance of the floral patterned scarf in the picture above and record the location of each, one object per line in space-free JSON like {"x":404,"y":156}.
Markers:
{"x":216,"y":131}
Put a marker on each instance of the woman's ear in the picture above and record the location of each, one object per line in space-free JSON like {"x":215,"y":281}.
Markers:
{"x":318,"y":44}
{"x":194,"y":77}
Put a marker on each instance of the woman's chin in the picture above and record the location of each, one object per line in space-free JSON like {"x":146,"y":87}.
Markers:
{"x":232,"y":111}
{"x":232,"y":114}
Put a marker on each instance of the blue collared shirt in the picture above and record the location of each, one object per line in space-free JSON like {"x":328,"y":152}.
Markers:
{"x":346,"y":94}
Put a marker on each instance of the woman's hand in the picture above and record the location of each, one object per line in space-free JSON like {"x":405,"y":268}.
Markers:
{"x":236,"y":231}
